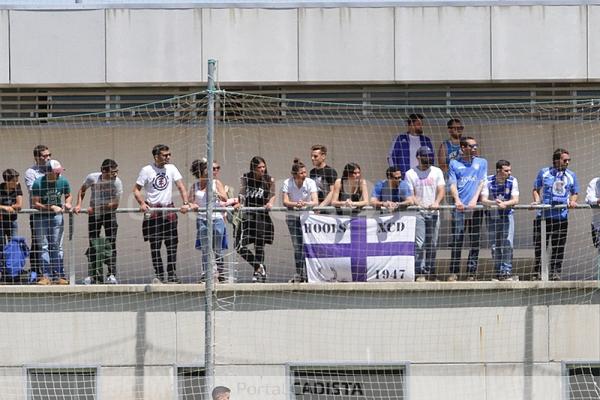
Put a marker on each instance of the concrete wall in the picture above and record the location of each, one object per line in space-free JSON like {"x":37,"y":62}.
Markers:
{"x":298,"y":45}
{"x":458,"y":340}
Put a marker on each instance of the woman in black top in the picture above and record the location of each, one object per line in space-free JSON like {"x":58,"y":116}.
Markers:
{"x":350,"y":191}
{"x":257,"y":190}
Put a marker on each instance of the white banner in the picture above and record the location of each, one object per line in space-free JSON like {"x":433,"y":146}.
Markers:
{"x":359,"y":249}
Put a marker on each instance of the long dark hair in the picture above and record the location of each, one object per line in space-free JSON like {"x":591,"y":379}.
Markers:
{"x":254,"y":162}
{"x":349,"y":169}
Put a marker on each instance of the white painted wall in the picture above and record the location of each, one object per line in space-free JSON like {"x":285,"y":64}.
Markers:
{"x":295,"y":45}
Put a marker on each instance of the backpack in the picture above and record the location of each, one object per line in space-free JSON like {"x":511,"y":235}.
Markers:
{"x":15,"y":256}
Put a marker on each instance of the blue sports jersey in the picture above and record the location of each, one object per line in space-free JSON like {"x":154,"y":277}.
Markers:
{"x":467,"y":176}
{"x":502,"y":191}
{"x":555,"y":188}
{"x":383,"y":192}
{"x":452,"y":151}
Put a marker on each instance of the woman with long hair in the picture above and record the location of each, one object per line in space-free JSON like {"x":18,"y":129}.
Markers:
{"x":350,"y":191}
{"x":298,"y":192}
{"x":199,"y":199}
{"x":257,"y":191}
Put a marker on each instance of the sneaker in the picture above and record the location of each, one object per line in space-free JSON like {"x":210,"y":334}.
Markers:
{"x":157,"y":281}
{"x":296,"y":279}
{"x":87,"y":280}
{"x":32,"y":277}
{"x":44,"y":280}
{"x":255,"y":277}
{"x":452,"y":278}
{"x":172,"y":278}
{"x":535,"y":277}
{"x":111,"y":280}
{"x":421,"y":279}
{"x":555,"y":277}
{"x":61,"y":281}
{"x":262,"y":271}
{"x":471,"y":277}
{"x":505,"y":277}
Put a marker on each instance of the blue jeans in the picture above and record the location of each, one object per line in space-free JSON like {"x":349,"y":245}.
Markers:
{"x":295,"y":229}
{"x":465,"y":223}
{"x":501,"y":229}
{"x":426,"y":240}
{"x":49,"y":230}
{"x":202,"y":234}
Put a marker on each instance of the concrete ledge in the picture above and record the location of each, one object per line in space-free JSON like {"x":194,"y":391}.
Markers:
{"x":304,"y":287}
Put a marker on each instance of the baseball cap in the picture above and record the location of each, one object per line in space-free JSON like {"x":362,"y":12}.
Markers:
{"x":424,"y":151}
{"x":54,"y":166}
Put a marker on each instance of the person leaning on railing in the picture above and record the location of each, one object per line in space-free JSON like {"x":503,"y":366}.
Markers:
{"x":298,"y":192}
{"x":254,"y":226}
{"x":592,"y":197}
{"x":501,"y":191}
{"x":554,"y":185}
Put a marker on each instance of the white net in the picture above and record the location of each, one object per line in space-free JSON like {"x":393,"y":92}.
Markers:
{"x":342,"y":338}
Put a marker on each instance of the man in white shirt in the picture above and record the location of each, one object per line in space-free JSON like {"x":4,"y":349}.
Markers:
{"x":106,"y":188}
{"x":161,"y":226}
{"x":592,"y":197}
{"x":427,"y":187}
{"x":41,"y":155}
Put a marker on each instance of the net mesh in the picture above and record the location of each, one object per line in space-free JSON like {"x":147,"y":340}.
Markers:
{"x":279,"y":340}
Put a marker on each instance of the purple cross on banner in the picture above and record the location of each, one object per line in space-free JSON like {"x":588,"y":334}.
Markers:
{"x":358,"y":249}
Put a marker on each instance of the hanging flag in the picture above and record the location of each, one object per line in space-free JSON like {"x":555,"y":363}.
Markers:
{"x":359,"y":249}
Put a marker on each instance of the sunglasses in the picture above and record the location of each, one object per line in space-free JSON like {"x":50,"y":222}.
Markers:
{"x":216,"y":168}
{"x":458,"y":128}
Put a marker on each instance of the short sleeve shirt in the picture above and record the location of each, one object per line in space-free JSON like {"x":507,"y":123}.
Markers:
{"x":424,"y":183}
{"x":555,"y":188}
{"x":467,"y":177}
{"x":158,"y":183}
{"x":9,"y":197}
{"x":51,"y":193}
{"x":384,"y":192}
{"x":103,"y":191}
{"x":296,"y":193}
{"x":324,"y":178}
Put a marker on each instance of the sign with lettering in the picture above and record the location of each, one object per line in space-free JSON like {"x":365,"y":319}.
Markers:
{"x":348,"y":384}
{"x":359,"y":249}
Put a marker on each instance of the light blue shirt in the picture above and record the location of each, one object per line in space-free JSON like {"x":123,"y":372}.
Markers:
{"x":467,"y":176}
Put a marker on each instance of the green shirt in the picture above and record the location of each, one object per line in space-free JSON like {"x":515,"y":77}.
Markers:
{"x":50,"y":193}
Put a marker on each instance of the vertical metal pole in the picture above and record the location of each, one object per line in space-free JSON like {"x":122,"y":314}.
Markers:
{"x":72,"y":276}
{"x":209,"y":358}
{"x":544,"y":255}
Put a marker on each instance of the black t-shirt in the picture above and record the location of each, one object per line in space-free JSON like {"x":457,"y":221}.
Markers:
{"x":8,"y":198}
{"x":325,"y":178}
{"x":258,"y":191}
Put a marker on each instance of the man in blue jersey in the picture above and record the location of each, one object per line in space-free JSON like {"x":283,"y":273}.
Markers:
{"x":392,"y":192}
{"x":501,"y":191}
{"x":450,"y":148}
{"x":556,"y":185}
{"x":592,"y":197}
{"x":405,"y":146}
{"x":466,"y":178}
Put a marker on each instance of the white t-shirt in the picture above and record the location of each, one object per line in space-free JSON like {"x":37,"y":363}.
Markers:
{"x":103,"y":191}
{"x":200,"y":200}
{"x":296,"y":193}
{"x":158,"y":183}
{"x":414,"y":145}
{"x":591,"y":197}
{"x":31,"y":174}
{"x":423,"y":184}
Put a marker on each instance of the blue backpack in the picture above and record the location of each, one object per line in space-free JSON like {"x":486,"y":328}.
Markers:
{"x":15,"y":256}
